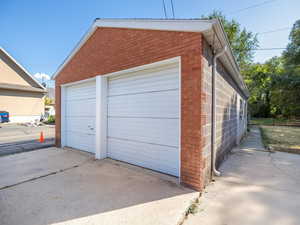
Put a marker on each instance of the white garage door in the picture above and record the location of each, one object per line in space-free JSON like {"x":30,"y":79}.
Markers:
{"x":80,"y":116}
{"x":143,"y":119}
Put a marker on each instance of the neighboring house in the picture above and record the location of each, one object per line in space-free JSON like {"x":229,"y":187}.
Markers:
{"x":20,"y":94}
{"x":140,"y":91}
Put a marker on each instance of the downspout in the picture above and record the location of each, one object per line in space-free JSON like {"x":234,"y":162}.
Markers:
{"x":213,"y":112}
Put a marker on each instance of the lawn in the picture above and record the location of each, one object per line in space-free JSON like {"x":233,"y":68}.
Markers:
{"x":281,"y":138}
{"x":274,"y":121}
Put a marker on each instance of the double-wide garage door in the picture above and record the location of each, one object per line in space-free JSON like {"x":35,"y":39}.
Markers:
{"x":142,"y":118}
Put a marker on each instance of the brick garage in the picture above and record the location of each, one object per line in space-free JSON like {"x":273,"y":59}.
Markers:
{"x":121,"y":47}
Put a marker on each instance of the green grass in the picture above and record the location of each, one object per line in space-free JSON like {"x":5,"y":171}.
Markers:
{"x":50,"y":120}
{"x":274,"y":121}
{"x":281,"y":138}
{"x":265,"y":139}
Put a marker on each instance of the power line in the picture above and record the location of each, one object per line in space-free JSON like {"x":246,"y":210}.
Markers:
{"x":164,"y":6}
{"x":173,"y":9}
{"x":276,"y":30}
{"x":252,"y":6}
{"x":267,"y":49}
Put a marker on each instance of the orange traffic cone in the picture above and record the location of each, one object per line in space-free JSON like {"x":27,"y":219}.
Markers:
{"x":42,"y":137}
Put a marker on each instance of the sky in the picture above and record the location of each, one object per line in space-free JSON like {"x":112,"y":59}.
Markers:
{"x":40,"y":34}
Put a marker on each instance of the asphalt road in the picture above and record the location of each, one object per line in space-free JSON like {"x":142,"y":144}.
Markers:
{"x":15,"y":138}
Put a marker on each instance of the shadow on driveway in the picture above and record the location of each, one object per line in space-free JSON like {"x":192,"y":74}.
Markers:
{"x":73,"y":188}
{"x":256,"y":188}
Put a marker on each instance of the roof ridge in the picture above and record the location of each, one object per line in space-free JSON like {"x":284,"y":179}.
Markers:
{"x":21,"y":67}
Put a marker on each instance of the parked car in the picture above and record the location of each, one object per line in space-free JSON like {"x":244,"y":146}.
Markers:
{"x":4,"y":117}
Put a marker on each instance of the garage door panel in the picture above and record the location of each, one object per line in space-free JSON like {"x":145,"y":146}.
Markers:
{"x":146,"y":155}
{"x":166,"y":80}
{"x":81,"y":141}
{"x":81,"y":91}
{"x":82,"y":107}
{"x":156,"y":131}
{"x":80,"y":116}
{"x":156,"y":104}
{"x":143,"y":118}
{"x":81,"y":124}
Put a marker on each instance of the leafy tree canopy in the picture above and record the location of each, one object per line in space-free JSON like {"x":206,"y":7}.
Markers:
{"x":48,"y":101}
{"x":274,"y":85}
{"x":242,"y":41}
{"x":260,"y":81}
{"x":292,"y":53}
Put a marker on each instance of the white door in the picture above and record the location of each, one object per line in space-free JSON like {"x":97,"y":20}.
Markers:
{"x":143,"y":119}
{"x":80,"y":116}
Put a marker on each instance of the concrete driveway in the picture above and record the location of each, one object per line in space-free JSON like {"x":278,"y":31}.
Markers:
{"x":56,"y":186}
{"x":256,"y":187}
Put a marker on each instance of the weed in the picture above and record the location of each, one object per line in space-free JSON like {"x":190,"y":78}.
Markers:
{"x":193,"y":208}
{"x":265,"y":139}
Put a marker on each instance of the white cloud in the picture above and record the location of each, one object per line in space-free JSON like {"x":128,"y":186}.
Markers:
{"x":42,"y":76}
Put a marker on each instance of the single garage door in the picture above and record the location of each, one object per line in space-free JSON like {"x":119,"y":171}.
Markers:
{"x":143,"y":119}
{"x":80,"y":116}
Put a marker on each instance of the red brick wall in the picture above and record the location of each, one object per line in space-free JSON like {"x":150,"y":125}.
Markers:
{"x":111,"y":49}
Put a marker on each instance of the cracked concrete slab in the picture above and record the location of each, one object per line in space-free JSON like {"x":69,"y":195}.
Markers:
{"x":102,"y":192}
{"x":256,"y":187}
{"x":21,"y":167}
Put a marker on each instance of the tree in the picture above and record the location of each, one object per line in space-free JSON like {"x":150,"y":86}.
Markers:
{"x":48,"y":101}
{"x":260,"y":81}
{"x":242,"y":41}
{"x":274,"y":85}
{"x":273,"y":91}
{"x":292,"y":53}
{"x":286,"y":95}
{"x":288,"y":85}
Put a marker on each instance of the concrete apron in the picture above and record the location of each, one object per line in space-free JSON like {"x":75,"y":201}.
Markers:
{"x":256,"y":187}
{"x":57,"y":186}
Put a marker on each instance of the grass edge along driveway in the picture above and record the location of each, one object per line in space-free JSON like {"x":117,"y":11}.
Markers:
{"x":281,"y":138}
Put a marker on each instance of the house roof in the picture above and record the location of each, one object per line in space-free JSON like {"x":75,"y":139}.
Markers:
{"x":21,"y":88}
{"x":212,"y":30}
{"x":23,"y":69}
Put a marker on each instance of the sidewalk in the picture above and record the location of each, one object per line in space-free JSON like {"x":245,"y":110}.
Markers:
{"x":15,"y":138}
{"x":24,"y":146}
{"x":256,"y":187}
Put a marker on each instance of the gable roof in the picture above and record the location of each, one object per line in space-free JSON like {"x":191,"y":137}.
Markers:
{"x":27,"y":74}
{"x":21,"y":88}
{"x":212,"y":30}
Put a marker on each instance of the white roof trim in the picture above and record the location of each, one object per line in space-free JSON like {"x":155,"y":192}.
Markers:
{"x":183,"y":25}
{"x":192,"y":25}
{"x":22,"y":68}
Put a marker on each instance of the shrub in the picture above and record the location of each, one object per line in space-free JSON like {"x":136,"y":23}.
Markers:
{"x":51,"y":119}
